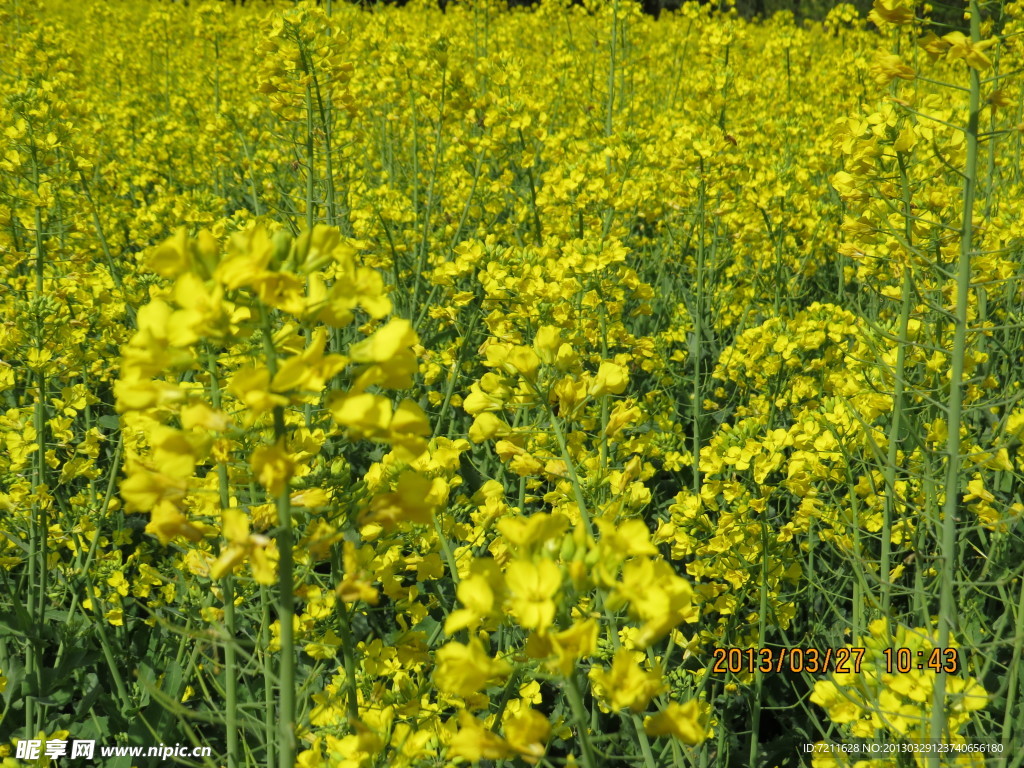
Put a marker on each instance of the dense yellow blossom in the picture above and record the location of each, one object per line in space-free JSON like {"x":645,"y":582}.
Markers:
{"x":421,"y":386}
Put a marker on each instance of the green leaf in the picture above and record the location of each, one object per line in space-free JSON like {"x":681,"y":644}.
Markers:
{"x":109,"y":422}
{"x":90,"y":689}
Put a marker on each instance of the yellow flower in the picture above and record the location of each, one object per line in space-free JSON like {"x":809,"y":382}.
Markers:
{"x":487,"y":426}
{"x":166,"y":522}
{"x":241,"y":546}
{"x":172,"y":257}
{"x":364,"y":414}
{"x":686,"y":722}
{"x":135,"y":394}
{"x":892,"y":12}
{"x":414,"y":500}
{"x":479,"y":594}
{"x":476,"y":742}
{"x":546,"y":343}
{"x":251,"y":385}
{"x":630,"y":538}
{"x":841,"y":708}
{"x":408,"y":431}
{"x":611,"y":378}
{"x":532,"y":531}
{"x":202,"y":311}
{"x":368,"y":415}
{"x":324,"y":648}
{"x":524,"y":361}
{"x":933,"y":45}
{"x":962,"y":47}
{"x":143,"y":489}
{"x":353,"y":586}
{"x":626,"y":685}
{"x":388,"y":357}
{"x":201,"y":416}
{"x":478,"y":401}
{"x":887,"y":67}
{"x":464,"y":670}
{"x":273,"y":467}
{"x":968,"y":695}
{"x":310,"y":370}
{"x":572,"y":644}
{"x":527,"y":732}
{"x":249,"y":254}
{"x":532,"y":587}
{"x":657,"y":596}
{"x":119,"y":583}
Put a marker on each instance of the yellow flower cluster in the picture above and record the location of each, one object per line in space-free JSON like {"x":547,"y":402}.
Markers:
{"x":875,"y":701}
{"x":407,"y":386}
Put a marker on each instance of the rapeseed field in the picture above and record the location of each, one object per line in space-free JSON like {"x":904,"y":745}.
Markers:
{"x":394,"y":387}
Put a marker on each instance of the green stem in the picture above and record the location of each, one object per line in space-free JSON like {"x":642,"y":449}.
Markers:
{"x":285,"y":578}
{"x":610,"y":108}
{"x":885,"y":560}
{"x":310,"y":160}
{"x":579,"y":714}
{"x":613,"y":637}
{"x":39,"y":533}
{"x":762,"y":620}
{"x":698,"y":331}
{"x":954,"y":407}
{"x":325,"y":122}
{"x":228,"y":587}
{"x":348,"y":656}
{"x":269,"y":703}
{"x":286,"y":613}
{"x":90,"y":589}
{"x":425,"y":237}
{"x":1011,"y":686}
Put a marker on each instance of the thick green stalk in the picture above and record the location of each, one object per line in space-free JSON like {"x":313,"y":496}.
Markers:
{"x":588,"y":524}
{"x":90,"y":588}
{"x":570,"y":467}
{"x":698,"y":331}
{"x":348,"y":656}
{"x":285,"y":580}
{"x":325,"y":112}
{"x":609,"y":215}
{"x":250,"y":175}
{"x":762,"y":622}
{"x":228,"y":588}
{"x":579,"y":715}
{"x":537,"y":229}
{"x":1014,"y":681}
{"x":453,"y":376}
{"x":99,"y":626}
{"x":115,"y":274}
{"x":285,"y":612}
{"x":885,"y":559}
{"x":310,"y":163}
{"x":603,"y":448}
{"x":954,"y":404}
{"x":421,"y":262}
{"x":230,"y":672}
{"x":610,"y":109}
{"x":269,"y":703}
{"x":40,"y":524}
